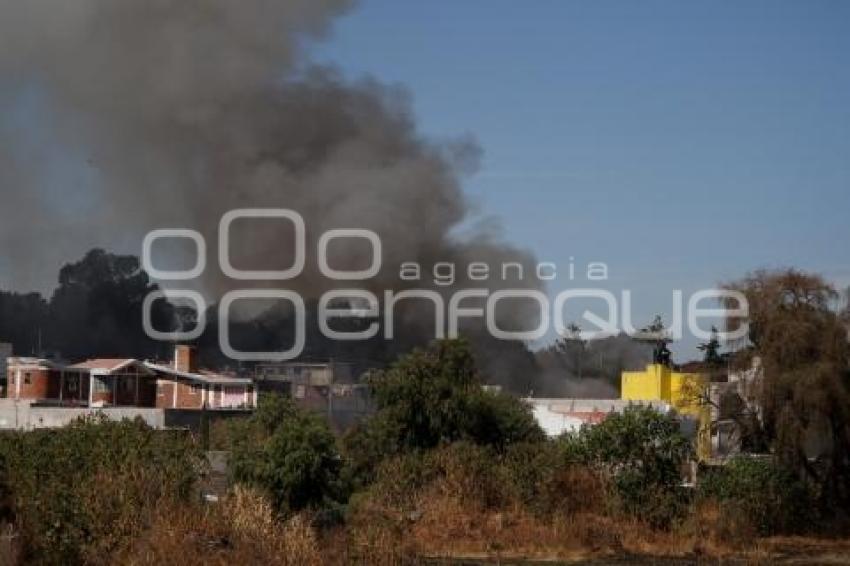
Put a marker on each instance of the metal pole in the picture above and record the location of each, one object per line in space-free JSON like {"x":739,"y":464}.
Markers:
{"x":331,"y":392}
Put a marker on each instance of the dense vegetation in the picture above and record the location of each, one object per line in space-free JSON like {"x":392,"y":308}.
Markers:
{"x":102,"y":293}
{"x":289,"y":454}
{"x":445,"y":466}
{"x":798,"y":330}
{"x":74,"y":493}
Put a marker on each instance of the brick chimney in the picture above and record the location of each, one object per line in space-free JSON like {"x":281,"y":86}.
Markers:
{"x":185,"y":358}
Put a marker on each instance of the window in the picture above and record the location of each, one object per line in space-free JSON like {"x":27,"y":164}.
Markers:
{"x":27,"y":378}
{"x":72,"y":384}
{"x":100,"y":385}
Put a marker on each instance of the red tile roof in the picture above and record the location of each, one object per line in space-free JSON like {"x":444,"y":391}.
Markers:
{"x":203,"y":376}
{"x":108,"y":364}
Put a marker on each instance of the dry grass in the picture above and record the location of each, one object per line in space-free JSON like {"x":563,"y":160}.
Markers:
{"x":463,"y":514}
{"x":446,"y":524}
{"x":9,"y":551}
{"x":241,"y":530}
{"x":447,"y":527}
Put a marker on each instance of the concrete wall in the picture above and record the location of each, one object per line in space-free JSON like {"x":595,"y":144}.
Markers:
{"x":554,"y":423}
{"x":557,"y":416}
{"x":25,"y":416}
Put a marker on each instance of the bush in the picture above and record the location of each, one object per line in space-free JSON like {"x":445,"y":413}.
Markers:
{"x":544,"y":478}
{"x":400,"y":479}
{"x":757,"y":490}
{"x":499,"y":420}
{"x":643,"y":451}
{"x":472,"y":475}
{"x":289,"y":453}
{"x":462,"y":471}
{"x":430,"y":399}
{"x":79,"y":492}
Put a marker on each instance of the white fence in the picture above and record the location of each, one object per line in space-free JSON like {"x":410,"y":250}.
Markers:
{"x":24,"y":416}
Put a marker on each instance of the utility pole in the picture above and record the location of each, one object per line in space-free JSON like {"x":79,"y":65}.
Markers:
{"x":331,"y":392}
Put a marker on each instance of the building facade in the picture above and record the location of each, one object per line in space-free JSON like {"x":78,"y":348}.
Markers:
{"x":118,"y":382}
{"x":685,"y":392}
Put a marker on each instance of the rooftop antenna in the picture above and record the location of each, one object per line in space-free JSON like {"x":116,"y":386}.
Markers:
{"x":659,"y":337}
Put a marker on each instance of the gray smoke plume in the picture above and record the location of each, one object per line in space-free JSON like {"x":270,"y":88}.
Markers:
{"x":121,"y":116}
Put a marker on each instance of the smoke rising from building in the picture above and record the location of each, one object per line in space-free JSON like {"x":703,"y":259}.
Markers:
{"x":122,"y":116}
{"x":181,"y":111}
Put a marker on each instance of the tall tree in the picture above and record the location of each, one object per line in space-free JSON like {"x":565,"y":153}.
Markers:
{"x":434,"y":397}
{"x":712,"y":356}
{"x":800,"y":337}
{"x":97,"y":308}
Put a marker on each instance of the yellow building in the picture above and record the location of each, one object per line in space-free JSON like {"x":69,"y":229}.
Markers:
{"x":685,"y":392}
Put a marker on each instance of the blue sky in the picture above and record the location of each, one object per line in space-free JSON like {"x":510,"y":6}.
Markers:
{"x":682,"y":143}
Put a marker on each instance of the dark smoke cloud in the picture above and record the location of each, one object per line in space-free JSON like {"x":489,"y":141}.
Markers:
{"x":184,"y":109}
{"x":120,"y":116}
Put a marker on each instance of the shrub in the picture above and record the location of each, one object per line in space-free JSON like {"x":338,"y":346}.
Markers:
{"x":400,"y":479}
{"x":472,"y":475}
{"x":758,"y":490}
{"x":432,"y":398}
{"x":499,"y":420}
{"x":544,"y":478}
{"x":462,"y":471}
{"x":79,"y":492}
{"x":289,"y":453}
{"x":643,"y":451}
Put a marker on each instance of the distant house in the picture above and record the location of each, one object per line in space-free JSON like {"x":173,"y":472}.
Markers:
{"x":658,"y":387}
{"x":181,"y":385}
{"x":331,"y":388}
{"x":117,"y":382}
{"x":37,"y":379}
{"x":127,"y":382}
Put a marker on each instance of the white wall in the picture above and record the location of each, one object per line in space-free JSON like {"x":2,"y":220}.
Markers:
{"x":21,"y":415}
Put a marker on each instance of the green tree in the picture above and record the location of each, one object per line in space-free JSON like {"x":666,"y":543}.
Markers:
{"x":103,"y":293}
{"x":289,"y":453}
{"x":499,"y":420}
{"x":426,"y":393}
{"x":78,"y":492}
{"x":431,"y":398}
{"x":798,"y":332}
{"x":643,"y":451}
{"x":711,"y":349}
{"x":572,"y":349}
